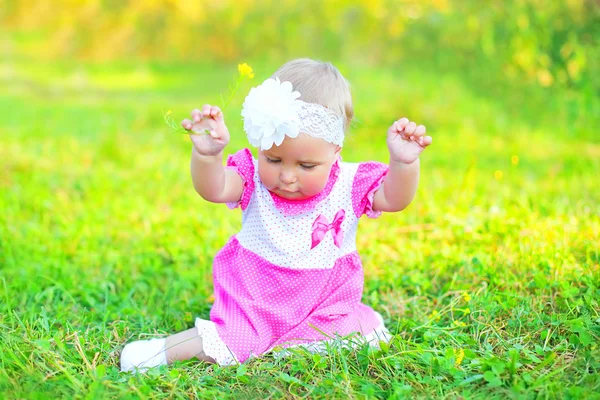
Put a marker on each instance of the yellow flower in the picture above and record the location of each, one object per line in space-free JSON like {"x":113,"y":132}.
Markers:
{"x":459,"y":323}
{"x":246,"y":70}
{"x":459,"y":354}
{"x":545,"y":77}
{"x":498,"y":174}
{"x":467,"y":311}
{"x":514,"y":160}
{"x":466,"y":297}
{"x":435,"y":315}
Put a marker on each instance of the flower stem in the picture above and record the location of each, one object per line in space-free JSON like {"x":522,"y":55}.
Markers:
{"x":232,"y":92}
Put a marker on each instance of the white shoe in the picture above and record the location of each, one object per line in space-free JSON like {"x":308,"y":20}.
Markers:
{"x":143,"y":355}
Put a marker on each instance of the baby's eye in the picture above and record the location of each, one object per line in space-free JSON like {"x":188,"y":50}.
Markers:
{"x":307,"y":166}
{"x":270,"y":160}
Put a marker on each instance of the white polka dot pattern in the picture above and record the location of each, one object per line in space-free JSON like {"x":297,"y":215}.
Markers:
{"x":271,"y":289}
{"x":368,"y":179}
{"x":285,"y":240}
{"x":212,"y":345}
{"x":259,"y":305}
{"x":242,"y":163}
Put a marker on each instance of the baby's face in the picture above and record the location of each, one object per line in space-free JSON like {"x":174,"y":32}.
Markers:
{"x":299,"y":168}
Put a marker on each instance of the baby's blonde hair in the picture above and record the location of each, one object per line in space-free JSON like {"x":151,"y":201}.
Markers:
{"x":319,"y":82}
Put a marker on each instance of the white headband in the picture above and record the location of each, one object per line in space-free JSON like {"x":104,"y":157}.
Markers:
{"x":271,"y":111}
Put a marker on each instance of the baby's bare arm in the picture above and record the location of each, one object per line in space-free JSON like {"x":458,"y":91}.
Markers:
{"x":398,"y":188}
{"x":214,"y":182}
{"x":211,"y":180}
{"x":406,"y":141}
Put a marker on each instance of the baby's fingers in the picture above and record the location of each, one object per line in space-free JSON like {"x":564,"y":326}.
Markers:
{"x":420,"y":131}
{"x":196,"y":115}
{"x":425,"y":141}
{"x":186,"y":124}
{"x":417,"y":135}
{"x":216,"y":113}
{"x":402,"y":123}
{"x":410,"y":128}
{"x":399,"y":125}
{"x":206,"y":110}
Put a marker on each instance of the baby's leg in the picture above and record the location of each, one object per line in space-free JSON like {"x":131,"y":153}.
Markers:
{"x":145,"y":354}
{"x":186,"y":345}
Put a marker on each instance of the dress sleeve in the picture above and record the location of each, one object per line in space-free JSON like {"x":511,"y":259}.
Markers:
{"x":368,"y":179}
{"x":243,"y":163}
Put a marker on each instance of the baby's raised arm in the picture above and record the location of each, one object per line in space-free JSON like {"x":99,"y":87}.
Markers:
{"x":211,"y":180}
{"x":405,"y":142}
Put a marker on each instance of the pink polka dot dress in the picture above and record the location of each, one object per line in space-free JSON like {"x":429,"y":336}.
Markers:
{"x":292,"y":275}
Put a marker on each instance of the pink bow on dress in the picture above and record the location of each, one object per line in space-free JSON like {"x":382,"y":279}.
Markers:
{"x":321,"y":226}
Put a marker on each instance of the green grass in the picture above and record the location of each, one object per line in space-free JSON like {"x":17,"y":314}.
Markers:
{"x":103,"y":240}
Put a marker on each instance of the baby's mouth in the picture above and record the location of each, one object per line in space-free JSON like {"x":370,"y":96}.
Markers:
{"x":289,"y":194}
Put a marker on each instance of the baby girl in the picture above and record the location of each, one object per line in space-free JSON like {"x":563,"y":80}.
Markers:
{"x":292,"y":275}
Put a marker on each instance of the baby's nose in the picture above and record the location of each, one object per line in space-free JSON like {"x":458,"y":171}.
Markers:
{"x":287,"y":177}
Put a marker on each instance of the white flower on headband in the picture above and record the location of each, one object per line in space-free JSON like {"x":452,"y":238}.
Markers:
{"x":270,"y":113}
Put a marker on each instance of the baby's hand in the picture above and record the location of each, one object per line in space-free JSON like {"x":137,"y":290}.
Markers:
{"x":406,"y":141}
{"x":210,"y":120}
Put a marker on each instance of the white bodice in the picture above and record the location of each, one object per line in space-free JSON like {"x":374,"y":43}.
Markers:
{"x":285,"y":240}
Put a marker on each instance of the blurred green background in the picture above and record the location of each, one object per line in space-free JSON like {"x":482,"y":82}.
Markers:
{"x":502,"y":49}
{"x":103,"y":239}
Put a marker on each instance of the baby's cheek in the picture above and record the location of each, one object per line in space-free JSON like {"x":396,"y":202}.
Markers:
{"x":315,"y":183}
{"x":267,"y":177}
